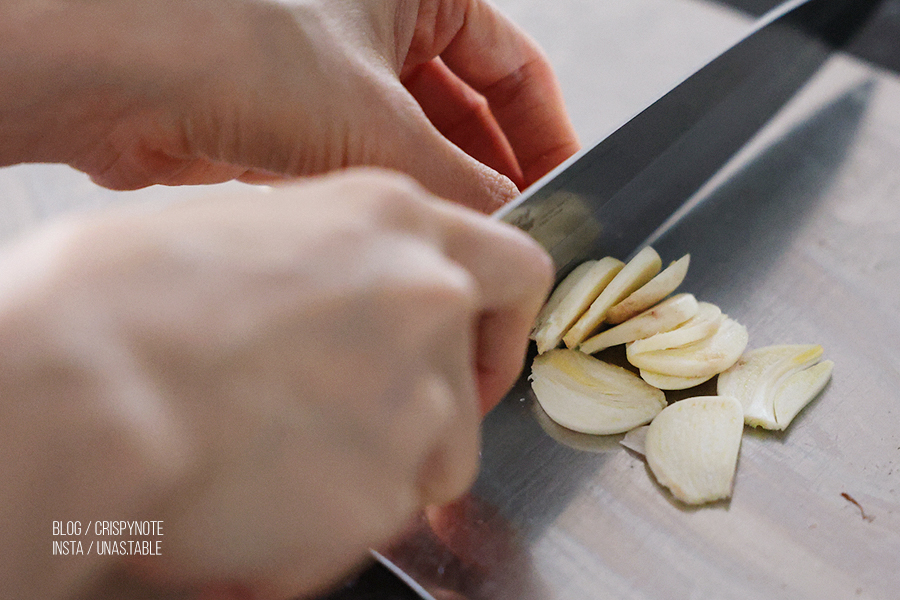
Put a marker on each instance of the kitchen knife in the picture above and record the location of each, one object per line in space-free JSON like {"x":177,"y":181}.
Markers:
{"x":611,"y":197}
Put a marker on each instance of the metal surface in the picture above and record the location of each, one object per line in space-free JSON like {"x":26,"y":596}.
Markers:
{"x":612,"y":196}
{"x":798,"y":238}
{"x":879,"y":42}
{"x":383,"y":580}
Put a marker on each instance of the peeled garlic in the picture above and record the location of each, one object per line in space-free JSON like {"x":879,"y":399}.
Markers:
{"x":702,"y":325}
{"x":705,"y":358}
{"x":585,"y":394}
{"x":692,"y":447}
{"x":639,"y":270}
{"x":799,"y":389}
{"x":571,"y":298}
{"x":672,"y":382}
{"x":650,"y":293}
{"x":663,"y":317}
{"x":774,"y":383}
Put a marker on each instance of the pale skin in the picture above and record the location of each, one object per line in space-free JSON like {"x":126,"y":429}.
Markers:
{"x":286,"y":377}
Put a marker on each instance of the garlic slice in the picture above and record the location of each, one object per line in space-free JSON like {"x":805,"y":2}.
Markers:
{"x":663,"y":317}
{"x":774,"y":383}
{"x":666,"y":282}
{"x":692,"y":447}
{"x":702,"y":325}
{"x":672,"y":382}
{"x":588,"y":395}
{"x":639,"y":270}
{"x":571,"y":298}
{"x":799,"y":389}
{"x":705,"y":358}
{"x":561,"y":290}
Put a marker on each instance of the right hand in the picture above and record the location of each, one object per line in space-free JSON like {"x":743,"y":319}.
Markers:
{"x":288,"y":378}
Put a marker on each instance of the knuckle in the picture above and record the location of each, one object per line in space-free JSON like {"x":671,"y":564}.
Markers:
{"x":452,"y":296}
{"x":390,"y":199}
{"x":382,"y":184}
{"x":479,"y":107}
{"x":442,"y":298}
{"x":544,"y":270}
{"x":537,"y":265}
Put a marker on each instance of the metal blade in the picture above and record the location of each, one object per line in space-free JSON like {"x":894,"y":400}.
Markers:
{"x":609,"y":198}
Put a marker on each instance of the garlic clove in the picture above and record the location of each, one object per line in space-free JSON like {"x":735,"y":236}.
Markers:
{"x":639,"y":270}
{"x":704,"y":358}
{"x":571,"y":298}
{"x":666,"y":282}
{"x":756,"y":380}
{"x":702,"y":325}
{"x":665,"y":316}
{"x":587,"y":395}
{"x":692,"y":447}
{"x":672,"y":382}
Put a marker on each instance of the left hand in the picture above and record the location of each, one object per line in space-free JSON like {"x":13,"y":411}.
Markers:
{"x":199,"y":91}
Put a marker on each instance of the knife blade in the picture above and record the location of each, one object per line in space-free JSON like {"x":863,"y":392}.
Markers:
{"x":609,"y":198}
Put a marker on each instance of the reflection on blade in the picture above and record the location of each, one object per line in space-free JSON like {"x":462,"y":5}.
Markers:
{"x":409,"y":581}
{"x":608,"y":199}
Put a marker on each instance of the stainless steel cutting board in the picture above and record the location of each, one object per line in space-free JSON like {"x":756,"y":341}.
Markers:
{"x":798,"y":238}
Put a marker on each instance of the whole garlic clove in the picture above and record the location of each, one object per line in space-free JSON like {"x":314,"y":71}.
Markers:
{"x":704,"y":358}
{"x":702,"y":325}
{"x":571,"y":299}
{"x":588,"y":395}
{"x":666,"y":282}
{"x":665,"y":316}
{"x":692,"y":447}
{"x":639,"y":270}
{"x":762,"y":375}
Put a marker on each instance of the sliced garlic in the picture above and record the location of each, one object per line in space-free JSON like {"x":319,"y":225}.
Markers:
{"x":692,"y":447}
{"x":672,"y":382}
{"x":799,"y":389}
{"x":585,"y":394}
{"x":650,"y":293}
{"x":774,"y":383}
{"x":705,"y":358}
{"x":702,"y":325}
{"x":571,"y":298}
{"x":665,"y":316}
{"x":639,"y":270}
{"x":561,"y":290}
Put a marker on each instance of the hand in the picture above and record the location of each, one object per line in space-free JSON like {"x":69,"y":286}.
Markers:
{"x":284,"y":380}
{"x":199,"y":91}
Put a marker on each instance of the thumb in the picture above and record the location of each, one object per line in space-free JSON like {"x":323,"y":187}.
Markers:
{"x":442,"y":167}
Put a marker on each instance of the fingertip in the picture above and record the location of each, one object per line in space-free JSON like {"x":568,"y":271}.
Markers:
{"x":499,"y":190}
{"x":463,"y":116}
{"x":466,"y":181}
{"x":448,"y":172}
